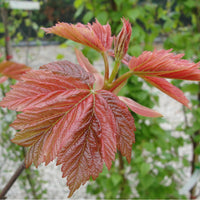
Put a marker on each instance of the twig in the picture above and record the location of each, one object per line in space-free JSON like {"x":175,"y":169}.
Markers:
{"x":12,"y":180}
{"x":195,"y":157}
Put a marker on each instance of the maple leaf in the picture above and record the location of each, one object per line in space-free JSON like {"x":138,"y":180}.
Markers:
{"x":13,"y":70}
{"x":94,"y":35}
{"x":84,"y":62}
{"x":154,"y":66}
{"x":162,"y":63}
{"x":64,"y":118}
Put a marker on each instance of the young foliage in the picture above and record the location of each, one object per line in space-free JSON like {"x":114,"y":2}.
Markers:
{"x":93,"y":35}
{"x":10,"y":69}
{"x":11,"y":154}
{"x":65,"y":116}
{"x":61,"y":109}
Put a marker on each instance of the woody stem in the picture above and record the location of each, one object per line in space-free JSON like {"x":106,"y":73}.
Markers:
{"x":12,"y":180}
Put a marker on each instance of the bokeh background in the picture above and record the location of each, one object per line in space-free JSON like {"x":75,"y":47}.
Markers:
{"x":166,"y":161}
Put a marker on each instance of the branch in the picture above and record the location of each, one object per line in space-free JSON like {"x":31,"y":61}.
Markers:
{"x":12,"y":180}
{"x":195,"y":157}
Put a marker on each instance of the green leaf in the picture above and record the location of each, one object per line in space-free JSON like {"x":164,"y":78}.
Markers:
{"x":27,"y":22}
{"x":60,"y":56}
{"x":146,"y":182}
{"x":168,"y":25}
{"x":79,"y":11}
{"x":88,"y":16}
{"x":197,"y":150}
{"x":119,"y":2}
{"x":186,"y":163}
{"x":145,"y":168}
{"x":135,"y":50}
{"x":190,"y":3}
{"x":1,"y":28}
{"x":116,"y":16}
{"x":34,"y":26}
{"x":116,"y":178}
{"x":78,"y":3}
{"x":102,"y":17}
{"x":193,"y":88}
{"x":149,"y":146}
{"x":91,"y":54}
{"x":40,"y":33}
{"x":133,"y":14}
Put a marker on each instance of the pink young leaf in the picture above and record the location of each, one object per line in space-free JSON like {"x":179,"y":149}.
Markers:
{"x":92,"y":143}
{"x":84,"y":62}
{"x":122,"y":40}
{"x":125,"y":124}
{"x":168,"y":89}
{"x":162,"y":63}
{"x":37,"y":87}
{"x":69,"y":69}
{"x":3,"y":79}
{"x":79,"y":128}
{"x":139,"y":109}
{"x":94,"y":35}
{"x":63,"y":117}
{"x":13,"y":70}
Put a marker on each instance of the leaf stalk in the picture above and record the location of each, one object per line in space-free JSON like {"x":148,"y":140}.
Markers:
{"x":121,"y":80}
{"x":106,"y":75}
{"x":114,"y":72}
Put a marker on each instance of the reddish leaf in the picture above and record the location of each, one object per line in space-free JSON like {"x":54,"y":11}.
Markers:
{"x":154,"y":66}
{"x":121,"y":42}
{"x":50,"y":122}
{"x":79,"y":128}
{"x":37,"y":88}
{"x":168,"y":88}
{"x":124,"y":121}
{"x":106,"y":117}
{"x":13,"y":70}
{"x":82,"y":156}
{"x":3,"y":79}
{"x":64,"y":117}
{"x":93,"y":142}
{"x":162,"y":63}
{"x":84,"y":62}
{"x":69,"y":69}
{"x":139,"y":109}
{"x":93,"y":35}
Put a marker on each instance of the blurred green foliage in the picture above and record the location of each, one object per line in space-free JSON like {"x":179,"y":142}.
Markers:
{"x":12,"y":154}
{"x":21,"y":26}
{"x":156,"y":170}
{"x":185,"y":39}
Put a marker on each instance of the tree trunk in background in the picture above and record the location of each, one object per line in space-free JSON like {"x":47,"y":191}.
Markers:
{"x":4,"y":14}
{"x":195,"y":157}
